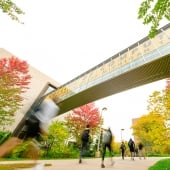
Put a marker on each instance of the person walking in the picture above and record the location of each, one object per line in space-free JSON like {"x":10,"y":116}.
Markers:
{"x":106,"y":143}
{"x":84,"y":142}
{"x":123,"y":149}
{"x":35,"y":125}
{"x":141,"y":150}
{"x":136,"y":151}
{"x":131,"y":145}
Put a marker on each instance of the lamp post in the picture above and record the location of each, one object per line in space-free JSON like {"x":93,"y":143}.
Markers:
{"x":100,"y":131}
{"x":122,"y":134}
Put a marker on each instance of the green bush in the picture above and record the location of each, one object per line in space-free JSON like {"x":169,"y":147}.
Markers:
{"x":66,"y":152}
{"x":4,"y":136}
{"x":21,"y":151}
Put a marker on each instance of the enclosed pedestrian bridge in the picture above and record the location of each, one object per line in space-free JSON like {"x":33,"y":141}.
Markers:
{"x":145,"y":61}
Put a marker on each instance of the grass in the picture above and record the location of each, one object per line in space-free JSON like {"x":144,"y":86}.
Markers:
{"x":161,"y":165}
{"x":12,"y":166}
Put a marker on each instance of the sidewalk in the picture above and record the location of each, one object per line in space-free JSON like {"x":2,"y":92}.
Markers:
{"x":94,"y":164}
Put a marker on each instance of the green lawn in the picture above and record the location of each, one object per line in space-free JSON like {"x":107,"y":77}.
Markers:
{"x":17,"y":165}
{"x":161,"y":165}
{"x":13,"y":166}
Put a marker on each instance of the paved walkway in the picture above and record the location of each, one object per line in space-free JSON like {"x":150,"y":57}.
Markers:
{"x":94,"y":164}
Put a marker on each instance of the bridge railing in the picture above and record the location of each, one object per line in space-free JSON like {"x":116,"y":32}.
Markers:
{"x":141,"y":52}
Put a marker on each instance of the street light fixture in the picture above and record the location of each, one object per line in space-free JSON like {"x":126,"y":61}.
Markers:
{"x":98,"y":144}
{"x":122,"y":134}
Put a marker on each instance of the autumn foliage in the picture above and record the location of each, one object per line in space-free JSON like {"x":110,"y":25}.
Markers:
{"x":80,"y":117}
{"x":153,"y":129}
{"x":14,"y":80}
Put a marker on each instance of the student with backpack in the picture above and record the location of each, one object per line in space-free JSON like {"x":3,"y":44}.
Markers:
{"x":106,"y":143}
{"x":84,"y":142}
{"x":131,"y":145}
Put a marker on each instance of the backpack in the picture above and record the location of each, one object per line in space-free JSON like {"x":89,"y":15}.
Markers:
{"x":85,"y":135}
{"x":122,"y":146}
{"x":140,"y":146}
{"x":131,"y":144}
{"x":107,"y":137}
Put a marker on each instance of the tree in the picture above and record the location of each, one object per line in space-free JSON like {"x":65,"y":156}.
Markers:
{"x":154,"y":128}
{"x":159,"y":102}
{"x":152,"y":12}
{"x":14,"y":80}
{"x":80,"y":117}
{"x":58,"y":134}
{"x":151,"y":131}
{"x":155,"y":103}
{"x":166,"y":99}
{"x":11,"y":9}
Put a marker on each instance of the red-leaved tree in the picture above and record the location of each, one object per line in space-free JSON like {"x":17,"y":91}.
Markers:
{"x":80,"y":117}
{"x":14,"y":80}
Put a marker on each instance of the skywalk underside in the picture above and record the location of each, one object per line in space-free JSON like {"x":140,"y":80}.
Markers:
{"x":150,"y":72}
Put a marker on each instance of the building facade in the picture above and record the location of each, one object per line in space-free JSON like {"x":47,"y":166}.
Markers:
{"x":40,"y":84}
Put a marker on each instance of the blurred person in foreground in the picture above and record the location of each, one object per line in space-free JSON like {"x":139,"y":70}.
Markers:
{"x":84,"y":142}
{"x":106,"y":143}
{"x":35,"y":125}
